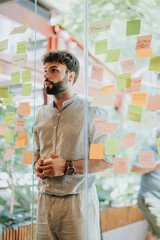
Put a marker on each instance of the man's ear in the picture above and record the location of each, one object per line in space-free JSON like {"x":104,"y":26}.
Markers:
{"x":71,"y":76}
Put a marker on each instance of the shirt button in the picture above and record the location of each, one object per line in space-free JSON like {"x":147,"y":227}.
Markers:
{"x":54,"y":127}
{"x":58,"y":114}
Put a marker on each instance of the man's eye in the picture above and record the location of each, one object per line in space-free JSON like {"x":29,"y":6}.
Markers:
{"x":54,"y":70}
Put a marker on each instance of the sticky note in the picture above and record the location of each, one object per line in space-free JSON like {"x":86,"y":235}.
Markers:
{"x":23,"y":109}
{"x":9,"y":136}
{"x":111,"y":146}
{"x":15,"y":78}
{"x":134,"y":113}
{"x":27,"y":157}
{"x":144,"y":53}
{"x":149,"y":120}
{"x":135,"y":85}
{"x":21,"y":29}
{"x":26,"y":76}
{"x":3,"y":128}
{"x":21,"y":47}
{"x":139,"y":99}
{"x":133,"y":27}
{"x":147,"y":159}
{"x":97,"y":73}
{"x":153,"y":103}
{"x":96,"y":151}
{"x":1,"y":67}
{"x":123,"y":80}
{"x":20,"y":142}
{"x":9,"y":152}
{"x":128,"y":66}
{"x":3,"y":45}
{"x":120,"y":165}
{"x":9,"y":118}
{"x":25,"y":136}
{"x":100,"y":26}
{"x":154,"y":64}
{"x":100,"y":124}
{"x":19,"y":60}
{"x":113,"y":55}
{"x":20,"y":123}
{"x":101,"y":46}
{"x":109,"y":89}
{"x":128,"y":141}
{"x":4,"y":92}
{"x":158,"y":145}
{"x":143,"y":42}
{"x":7,"y":101}
{"x":107,"y":99}
{"x":26,"y":89}
{"x":110,"y":127}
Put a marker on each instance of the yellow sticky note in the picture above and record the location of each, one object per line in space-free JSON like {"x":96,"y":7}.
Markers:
{"x":96,"y":151}
{"x":26,"y":89}
{"x":113,"y":55}
{"x":104,"y":99}
{"x":3,"y":45}
{"x":1,"y":67}
{"x":123,"y":80}
{"x":21,"y":47}
{"x":158,"y":145}
{"x":20,"y":142}
{"x":27,"y":157}
{"x":134,"y":113}
{"x":9,"y":118}
{"x":154,"y":64}
{"x":109,"y":89}
{"x":19,"y":60}
{"x":101,"y":46}
{"x":111,"y":146}
{"x":25,"y":136}
{"x":4,"y":92}
{"x":26,"y":76}
{"x":7,"y":101}
{"x":21,"y":29}
{"x":139,"y":99}
{"x":100,"y":26}
{"x":23,"y":109}
{"x":9,"y":136}
{"x":15,"y":78}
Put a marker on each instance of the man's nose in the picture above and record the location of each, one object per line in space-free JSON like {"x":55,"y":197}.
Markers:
{"x":46,"y":75}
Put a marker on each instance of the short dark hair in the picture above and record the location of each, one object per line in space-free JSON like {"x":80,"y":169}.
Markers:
{"x":63,"y":57}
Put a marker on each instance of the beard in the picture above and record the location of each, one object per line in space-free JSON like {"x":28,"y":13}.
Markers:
{"x":56,"y":88}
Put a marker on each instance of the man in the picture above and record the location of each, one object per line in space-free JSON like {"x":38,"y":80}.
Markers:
{"x":149,"y":194}
{"x":59,"y":136}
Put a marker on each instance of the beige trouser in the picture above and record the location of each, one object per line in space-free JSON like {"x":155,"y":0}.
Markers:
{"x":62,"y":218}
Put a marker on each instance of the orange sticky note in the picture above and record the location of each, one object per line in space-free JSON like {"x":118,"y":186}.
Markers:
{"x":110,"y":127}
{"x":135,"y":85}
{"x":23,"y":109}
{"x":96,"y":151}
{"x":20,"y":123}
{"x":128,"y":66}
{"x":109,"y":89}
{"x":128,"y":141}
{"x":3,"y":129}
{"x":147,"y":159}
{"x":97,"y":73}
{"x":139,"y":99}
{"x":27,"y":157}
{"x":144,"y":53}
{"x":153,"y":103}
{"x":9,"y":152}
{"x":25,"y":136}
{"x":120,"y":165}
{"x":20,"y":142}
{"x":100,"y":124}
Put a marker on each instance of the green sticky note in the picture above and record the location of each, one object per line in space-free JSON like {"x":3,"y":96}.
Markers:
{"x":134,"y":113}
{"x":9,"y":136}
{"x":158,"y":145}
{"x":15,"y":78}
{"x":26,"y":89}
{"x":113,"y":55}
{"x":7,"y":101}
{"x":123,"y":80}
{"x":21,"y":47}
{"x":26,"y":76}
{"x":9,"y":118}
{"x":111,"y":146}
{"x":4,"y":92}
{"x":133,"y":27}
{"x":154,"y":64}
{"x":101,"y":46}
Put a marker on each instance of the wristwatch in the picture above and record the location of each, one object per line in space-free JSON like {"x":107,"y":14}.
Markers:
{"x":69,"y":168}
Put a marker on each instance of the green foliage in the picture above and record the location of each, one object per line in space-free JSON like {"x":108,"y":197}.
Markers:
{"x":2,"y":201}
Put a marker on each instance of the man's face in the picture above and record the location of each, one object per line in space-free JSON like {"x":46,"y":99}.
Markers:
{"x":56,"y":78}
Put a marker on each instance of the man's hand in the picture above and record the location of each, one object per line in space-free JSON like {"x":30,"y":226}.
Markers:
{"x":37,"y":168}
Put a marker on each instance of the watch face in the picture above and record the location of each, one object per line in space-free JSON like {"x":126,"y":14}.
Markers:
{"x":70,"y":171}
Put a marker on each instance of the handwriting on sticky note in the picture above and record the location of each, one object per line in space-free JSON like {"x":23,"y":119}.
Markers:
{"x":110,"y":127}
{"x":147,"y":159}
{"x":9,"y":152}
{"x":111,"y":146}
{"x":26,"y":76}
{"x":15,"y":78}
{"x":26,"y":89}
{"x":123,"y":80}
{"x":101,"y":46}
{"x":100,"y":124}
{"x":120,"y":165}
{"x":20,"y":142}
{"x":158,"y":145}
{"x":109,"y":89}
{"x":143,"y":42}
{"x":23,"y":109}
{"x":25,"y":136}
{"x":133,"y":27}
{"x":100,"y":26}
{"x":21,"y":47}
{"x":4,"y":92}
{"x":96,"y":151}
{"x":20,"y":123}
{"x":9,"y":118}
{"x":27,"y":157}
{"x":106,"y":99}
{"x":7,"y":101}
{"x":139,"y":99}
{"x":3,"y":128}
{"x":154,"y":64}
{"x":153,"y":103}
{"x":3,"y":45}
{"x":148,"y":120}
{"x":135,"y":85}
{"x":97,"y":73}
{"x":9,"y":136}
{"x":113,"y":55}
{"x":19,"y":60}
{"x":134,"y":113}
{"x":21,"y":29}
{"x":128,"y":66}
{"x":128,"y":141}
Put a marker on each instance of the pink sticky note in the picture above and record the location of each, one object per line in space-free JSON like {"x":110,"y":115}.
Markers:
{"x":153,"y":103}
{"x":23,"y":109}
{"x":135,"y":85}
{"x":120,"y":165}
{"x":9,"y":152}
{"x":147,"y":159}
{"x":110,"y":127}
{"x":3,"y":129}
{"x":100,"y":124}
{"x":97,"y":73}
{"x":20,"y":123}
{"x":143,"y":42}
{"x":128,"y":141}
{"x":128,"y":66}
